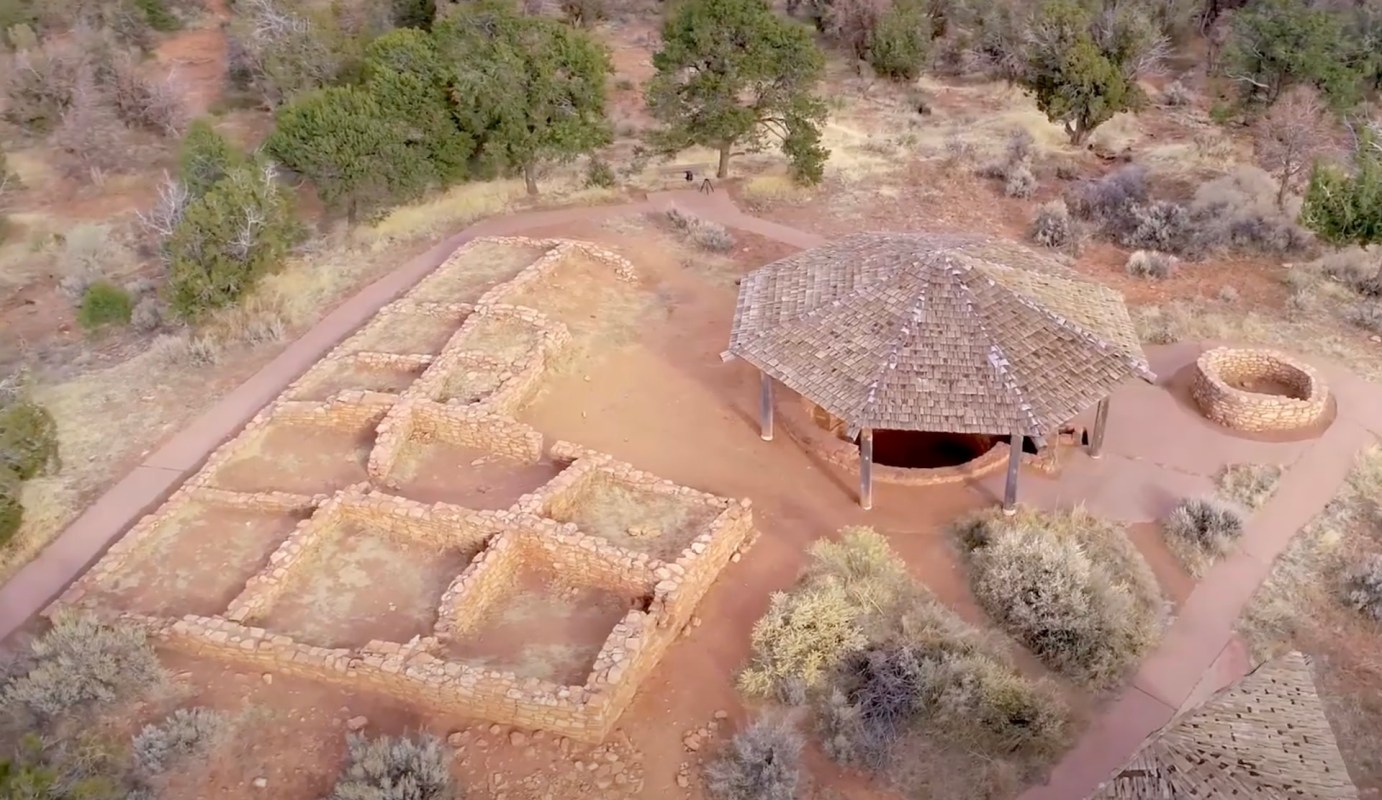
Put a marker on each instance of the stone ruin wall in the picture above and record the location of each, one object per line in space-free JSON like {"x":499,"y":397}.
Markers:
{"x":510,"y":540}
{"x":1216,"y":370}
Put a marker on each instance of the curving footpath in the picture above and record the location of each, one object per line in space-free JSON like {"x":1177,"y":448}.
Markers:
{"x":1199,"y":642}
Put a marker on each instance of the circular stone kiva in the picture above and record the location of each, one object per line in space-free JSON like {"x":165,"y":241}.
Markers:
{"x":1257,"y":390}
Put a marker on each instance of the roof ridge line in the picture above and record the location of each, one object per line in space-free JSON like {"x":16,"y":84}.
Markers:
{"x":1076,"y":328}
{"x":894,"y":351}
{"x":1004,"y":375}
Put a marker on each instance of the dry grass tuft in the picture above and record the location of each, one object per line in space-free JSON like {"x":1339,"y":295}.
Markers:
{"x":763,"y":192}
{"x":1248,"y":485}
{"x":1068,"y":585}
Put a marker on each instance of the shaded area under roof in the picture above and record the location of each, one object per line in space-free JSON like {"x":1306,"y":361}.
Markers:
{"x":937,"y":332}
{"x":1265,"y":738}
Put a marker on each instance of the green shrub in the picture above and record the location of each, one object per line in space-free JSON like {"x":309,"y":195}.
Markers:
{"x":11,"y":506}
{"x":1346,"y":207}
{"x":104,"y":304}
{"x":763,"y":763}
{"x":157,"y":15}
{"x":1071,"y":587}
{"x":205,"y":157}
{"x":799,"y":640}
{"x":83,"y":664}
{"x":228,"y":239}
{"x":357,"y":155}
{"x":395,"y":768}
{"x":902,"y":41}
{"x":28,"y":439}
{"x":185,"y":732}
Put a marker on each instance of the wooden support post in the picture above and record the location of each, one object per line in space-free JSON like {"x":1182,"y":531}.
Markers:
{"x":1096,"y":442}
{"x":866,"y":468}
{"x":1014,"y":459}
{"x":765,"y":407}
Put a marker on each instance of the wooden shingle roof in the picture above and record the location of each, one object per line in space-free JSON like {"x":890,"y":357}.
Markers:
{"x":1264,"y":738}
{"x":937,"y":332}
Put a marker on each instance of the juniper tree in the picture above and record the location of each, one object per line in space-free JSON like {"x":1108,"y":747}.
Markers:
{"x":404,"y":73}
{"x":531,"y":90}
{"x":356,"y":154}
{"x":729,"y":74}
{"x":1082,"y":67}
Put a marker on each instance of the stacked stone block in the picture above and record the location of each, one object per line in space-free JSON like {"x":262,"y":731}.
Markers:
{"x":508,"y":541}
{"x":1220,"y":371}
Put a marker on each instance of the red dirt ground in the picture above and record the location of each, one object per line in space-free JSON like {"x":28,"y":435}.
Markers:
{"x":298,"y":458}
{"x":437,"y":472}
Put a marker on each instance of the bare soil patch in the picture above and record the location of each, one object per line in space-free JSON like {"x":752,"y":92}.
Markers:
{"x":544,"y":628}
{"x":298,"y":458}
{"x":365,"y":585}
{"x":438,"y":472}
{"x":199,"y":560}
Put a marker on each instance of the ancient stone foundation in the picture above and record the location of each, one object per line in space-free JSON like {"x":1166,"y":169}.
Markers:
{"x":1258,"y":390}
{"x":523,"y":536}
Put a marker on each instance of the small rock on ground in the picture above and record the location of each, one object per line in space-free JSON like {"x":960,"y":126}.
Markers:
{"x":356,"y":723}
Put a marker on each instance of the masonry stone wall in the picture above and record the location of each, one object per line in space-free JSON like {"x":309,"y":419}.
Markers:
{"x":508,"y":541}
{"x":1219,"y":374}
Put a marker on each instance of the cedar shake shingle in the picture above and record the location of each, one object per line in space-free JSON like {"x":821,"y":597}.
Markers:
{"x":1265,"y":738}
{"x":937,"y":332}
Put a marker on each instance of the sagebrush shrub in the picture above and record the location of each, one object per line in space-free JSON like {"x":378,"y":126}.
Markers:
{"x":1109,"y":197}
{"x":1356,"y":268}
{"x":1150,"y":264}
{"x":1087,"y":617}
{"x":1157,"y":225}
{"x":395,"y":768}
{"x":1363,"y":587}
{"x":1020,"y":182}
{"x":84,"y":664}
{"x":763,"y":762}
{"x":962,"y":694}
{"x":185,"y":732}
{"x":1177,"y":93}
{"x":1206,"y":523}
{"x":28,"y":439}
{"x":1238,"y":211}
{"x":146,"y":315}
{"x":801,"y":638}
{"x":1052,"y":226}
{"x":1367,"y":315}
{"x":104,"y":304}
{"x":705,"y":234}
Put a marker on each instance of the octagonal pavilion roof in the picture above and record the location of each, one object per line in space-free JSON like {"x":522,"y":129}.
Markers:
{"x":937,"y":332}
{"x":1265,"y":737}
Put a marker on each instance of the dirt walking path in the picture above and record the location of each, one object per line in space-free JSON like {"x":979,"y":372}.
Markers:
{"x":1197,"y":639}
{"x":1200,"y":634}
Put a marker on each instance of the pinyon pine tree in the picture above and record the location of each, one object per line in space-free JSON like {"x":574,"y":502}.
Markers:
{"x":730,"y":73}
{"x":531,"y":90}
